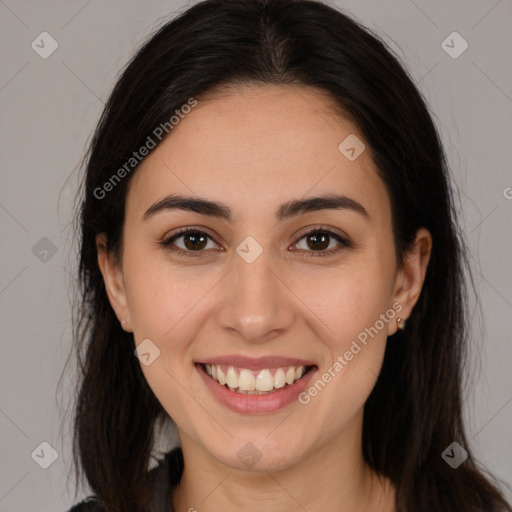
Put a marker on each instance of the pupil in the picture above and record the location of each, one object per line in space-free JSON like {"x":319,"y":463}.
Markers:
{"x":195,"y":241}
{"x":323,"y":244}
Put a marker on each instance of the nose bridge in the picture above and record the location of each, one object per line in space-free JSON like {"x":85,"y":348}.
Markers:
{"x":254,"y":303}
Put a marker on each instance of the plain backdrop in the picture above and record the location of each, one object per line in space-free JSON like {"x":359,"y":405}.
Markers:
{"x":49,"y":108}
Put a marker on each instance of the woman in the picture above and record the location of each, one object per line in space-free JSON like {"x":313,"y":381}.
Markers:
{"x":267,"y":225}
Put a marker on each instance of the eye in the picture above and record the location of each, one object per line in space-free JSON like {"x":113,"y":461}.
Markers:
{"x":192,"y":241}
{"x":319,"y":239}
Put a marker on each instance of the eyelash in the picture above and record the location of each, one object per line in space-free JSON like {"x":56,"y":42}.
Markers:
{"x":167,"y":243}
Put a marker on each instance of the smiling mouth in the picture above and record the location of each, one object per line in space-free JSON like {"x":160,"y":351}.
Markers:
{"x":256,"y":382}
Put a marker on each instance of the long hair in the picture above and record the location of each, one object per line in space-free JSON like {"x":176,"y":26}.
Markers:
{"x":414,"y":412}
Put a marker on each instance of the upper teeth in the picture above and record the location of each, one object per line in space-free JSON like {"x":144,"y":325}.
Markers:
{"x":262,"y":380}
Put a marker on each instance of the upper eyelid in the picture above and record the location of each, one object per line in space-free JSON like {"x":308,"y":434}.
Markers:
{"x":183,"y":231}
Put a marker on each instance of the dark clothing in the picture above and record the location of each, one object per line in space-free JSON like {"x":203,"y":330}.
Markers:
{"x":165,"y":477}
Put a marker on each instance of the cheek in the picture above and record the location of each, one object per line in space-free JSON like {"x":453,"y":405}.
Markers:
{"x":353,"y":305}
{"x":356,"y":341}
{"x":164,"y":298}
{"x":346,"y":300}
{"x":167,"y":307}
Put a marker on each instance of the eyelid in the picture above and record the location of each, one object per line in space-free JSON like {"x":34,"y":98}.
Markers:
{"x":342,"y":239}
{"x":322,"y":228}
{"x":167,"y":240}
{"x":186,"y":229}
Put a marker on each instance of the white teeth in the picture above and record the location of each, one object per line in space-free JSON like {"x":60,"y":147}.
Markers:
{"x":264,"y":381}
{"x":232,"y":378}
{"x":220,"y":376}
{"x":245,"y":381}
{"x":279,"y":378}
{"x":290,"y":376}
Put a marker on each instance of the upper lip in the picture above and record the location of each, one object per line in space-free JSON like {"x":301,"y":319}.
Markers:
{"x":256,"y":363}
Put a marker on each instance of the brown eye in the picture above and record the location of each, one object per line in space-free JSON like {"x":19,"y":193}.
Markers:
{"x":318,"y":243}
{"x":195,"y":240}
{"x":188,"y":241}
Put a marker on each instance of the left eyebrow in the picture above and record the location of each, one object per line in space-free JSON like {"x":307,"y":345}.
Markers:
{"x":325,"y":202}
{"x":286,"y":210}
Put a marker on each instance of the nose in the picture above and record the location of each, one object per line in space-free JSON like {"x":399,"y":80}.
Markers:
{"x":256,"y":304}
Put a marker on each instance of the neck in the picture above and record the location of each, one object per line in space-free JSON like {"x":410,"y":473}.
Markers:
{"x":332,"y":477}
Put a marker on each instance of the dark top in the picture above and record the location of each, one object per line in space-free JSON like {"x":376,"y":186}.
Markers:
{"x":165,"y":477}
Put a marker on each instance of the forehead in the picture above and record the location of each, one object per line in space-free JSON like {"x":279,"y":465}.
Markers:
{"x":258,"y":146}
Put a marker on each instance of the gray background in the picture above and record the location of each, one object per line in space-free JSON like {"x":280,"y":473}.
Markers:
{"x":49,"y":108}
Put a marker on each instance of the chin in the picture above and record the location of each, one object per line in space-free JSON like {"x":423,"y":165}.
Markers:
{"x":258,"y":454}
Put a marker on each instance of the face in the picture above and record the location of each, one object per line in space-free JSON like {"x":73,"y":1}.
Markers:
{"x":256,"y":288}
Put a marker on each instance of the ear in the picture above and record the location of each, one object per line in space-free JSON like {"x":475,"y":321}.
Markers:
{"x":411,"y":275}
{"x":114,"y":283}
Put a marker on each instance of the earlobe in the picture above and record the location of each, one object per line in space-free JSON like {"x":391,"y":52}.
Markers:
{"x":411,"y":276}
{"x":114,"y":282}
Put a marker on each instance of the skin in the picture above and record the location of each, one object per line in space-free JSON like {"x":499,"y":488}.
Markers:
{"x":254,"y":148}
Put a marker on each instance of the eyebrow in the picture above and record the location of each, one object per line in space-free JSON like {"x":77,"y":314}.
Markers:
{"x":285,"y":211}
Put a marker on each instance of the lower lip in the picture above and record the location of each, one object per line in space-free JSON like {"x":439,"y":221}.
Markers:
{"x":256,"y":403}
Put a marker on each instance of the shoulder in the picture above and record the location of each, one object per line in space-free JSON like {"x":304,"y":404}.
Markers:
{"x":87,"y":505}
{"x":164,"y":477}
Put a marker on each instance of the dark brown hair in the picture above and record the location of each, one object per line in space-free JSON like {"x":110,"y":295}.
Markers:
{"x":414,"y":411}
